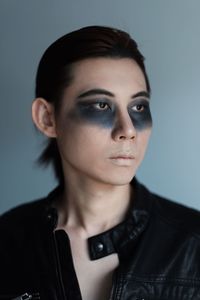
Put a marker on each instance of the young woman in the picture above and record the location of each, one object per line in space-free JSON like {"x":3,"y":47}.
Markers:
{"x":100,"y":234}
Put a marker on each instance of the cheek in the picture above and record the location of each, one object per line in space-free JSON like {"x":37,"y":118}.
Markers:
{"x":78,"y":137}
{"x":83,"y":147}
{"x":85,"y":115}
{"x":142,"y":140}
{"x":141,"y":121}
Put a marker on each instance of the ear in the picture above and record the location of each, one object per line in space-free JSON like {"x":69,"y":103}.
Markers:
{"x":44,"y":117}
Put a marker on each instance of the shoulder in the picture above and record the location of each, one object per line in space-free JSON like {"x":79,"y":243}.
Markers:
{"x":26,"y":216}
{"x":166,"y":212}
{"x":21,"y":218}
{"x":176,"y":215}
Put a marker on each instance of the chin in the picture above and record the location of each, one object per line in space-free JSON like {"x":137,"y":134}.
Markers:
{"x":122,"y":181}
{"x":119,"y":178}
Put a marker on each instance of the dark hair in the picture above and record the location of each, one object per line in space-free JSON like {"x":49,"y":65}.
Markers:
{"x":54,"y":70}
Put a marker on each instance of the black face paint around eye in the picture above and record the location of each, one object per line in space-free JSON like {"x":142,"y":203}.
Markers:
{"x":105,"y":115}
{"x":94,"y":113}
{"x":140,"y":114}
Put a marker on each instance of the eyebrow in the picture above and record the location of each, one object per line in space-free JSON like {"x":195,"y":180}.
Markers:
{"x":107,"y":93}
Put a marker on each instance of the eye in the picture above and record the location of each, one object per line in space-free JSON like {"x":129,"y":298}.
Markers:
{"x":101,"y":106}
{"x":138,"y":107}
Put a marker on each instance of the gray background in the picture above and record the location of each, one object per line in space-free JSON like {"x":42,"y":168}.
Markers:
{"x":168,"y":33}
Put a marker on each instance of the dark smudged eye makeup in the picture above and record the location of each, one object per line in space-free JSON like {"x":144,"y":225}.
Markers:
{"x":95,"y":111}
{"x":140,"y":114}
{"x":103,"y":112}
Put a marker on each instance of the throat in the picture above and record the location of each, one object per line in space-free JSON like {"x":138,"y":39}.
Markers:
{"x":92,"y":213}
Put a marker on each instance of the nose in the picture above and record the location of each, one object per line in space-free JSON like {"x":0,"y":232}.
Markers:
{"x":123,"y":128}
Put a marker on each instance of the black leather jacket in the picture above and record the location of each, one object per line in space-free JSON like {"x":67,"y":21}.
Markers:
{"x":158,"y":247}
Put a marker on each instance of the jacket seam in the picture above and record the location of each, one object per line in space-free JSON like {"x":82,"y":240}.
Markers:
{"x":163,"y":279}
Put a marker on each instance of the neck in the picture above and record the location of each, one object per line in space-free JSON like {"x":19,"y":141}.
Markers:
{"x":92,"y":207}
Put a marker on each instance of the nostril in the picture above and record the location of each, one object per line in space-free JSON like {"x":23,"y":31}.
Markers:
{"x":122,"y":137}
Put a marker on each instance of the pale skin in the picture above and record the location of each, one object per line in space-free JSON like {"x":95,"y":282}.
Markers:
{"x":98,"y":161}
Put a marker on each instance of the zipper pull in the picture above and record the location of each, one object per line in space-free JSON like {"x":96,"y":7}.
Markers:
{"x":27,"y":296}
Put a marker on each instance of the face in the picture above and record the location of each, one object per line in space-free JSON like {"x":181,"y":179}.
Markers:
{"x":104,"y":123}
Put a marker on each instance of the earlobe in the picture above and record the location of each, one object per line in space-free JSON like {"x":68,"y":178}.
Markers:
{"x":43,"y":117}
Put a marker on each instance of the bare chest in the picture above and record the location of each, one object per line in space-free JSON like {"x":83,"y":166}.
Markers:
{"x":94,"y":277}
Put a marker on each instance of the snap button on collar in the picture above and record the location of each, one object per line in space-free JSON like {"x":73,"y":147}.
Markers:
{"x":99,"y":247}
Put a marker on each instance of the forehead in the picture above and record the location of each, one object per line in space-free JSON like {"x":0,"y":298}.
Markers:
{"x":108,"y":73}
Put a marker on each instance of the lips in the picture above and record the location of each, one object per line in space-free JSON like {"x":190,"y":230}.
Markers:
{"x":122,"y":157}
{"x":122,"y":160}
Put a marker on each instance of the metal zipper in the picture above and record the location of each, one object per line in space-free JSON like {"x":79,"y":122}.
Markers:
{"x":27,"y":296}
